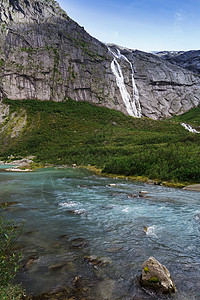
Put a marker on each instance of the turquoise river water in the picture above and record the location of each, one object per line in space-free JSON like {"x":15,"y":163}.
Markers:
{"x":73,"y":217}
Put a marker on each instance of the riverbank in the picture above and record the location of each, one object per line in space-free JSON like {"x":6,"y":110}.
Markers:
{"x":28,"y":165}
{"x":180,"y":185}
{"x":193,"y":187}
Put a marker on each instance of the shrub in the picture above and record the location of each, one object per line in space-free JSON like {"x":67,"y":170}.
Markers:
{"x":9,"y":259}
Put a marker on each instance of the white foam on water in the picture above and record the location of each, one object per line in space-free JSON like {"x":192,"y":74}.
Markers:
{"x":132,"y":103}
{"x":79,"y":211}
{"x":151,"y":231}
{"x":68,"y":204}
{"x":127,"y":209}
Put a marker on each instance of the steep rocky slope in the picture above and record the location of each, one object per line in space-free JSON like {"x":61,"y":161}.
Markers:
{"x":47,"y":56}
{"x":186,"y":59}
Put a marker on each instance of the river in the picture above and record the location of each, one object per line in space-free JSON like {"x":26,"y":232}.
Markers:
{"x":79,"y":225}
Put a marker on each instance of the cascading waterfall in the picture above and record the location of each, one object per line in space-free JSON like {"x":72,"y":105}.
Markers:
{"x":189,"y":128}
{"x":132,"y":103}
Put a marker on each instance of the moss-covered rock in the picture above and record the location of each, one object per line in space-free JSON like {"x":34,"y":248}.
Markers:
{"x":156,"y":276}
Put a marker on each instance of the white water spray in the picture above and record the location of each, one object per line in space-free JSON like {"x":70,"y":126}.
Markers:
{"x":189,"y":128}
{"x":132,"y":103}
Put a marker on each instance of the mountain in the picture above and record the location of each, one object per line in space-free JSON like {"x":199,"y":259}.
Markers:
{"x":45,"y":55}
{"x":187,"y":59}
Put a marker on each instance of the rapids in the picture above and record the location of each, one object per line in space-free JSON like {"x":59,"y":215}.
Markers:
{"x":73,"y":217}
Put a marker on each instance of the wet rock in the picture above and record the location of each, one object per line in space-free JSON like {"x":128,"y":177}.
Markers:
{"x":193,"y":187}
{"x":143,"y":196}
{"x":106,"y":289}
{"x":76,"y":211}
{"x":107,"y":207}
{"x":6,"y":204}
{"x":57,"y":266}
{"x":56,"y":245}
{"x":83,"y":186}
{"x":78,"y":243}
{"x":94,"y":261}
{"x":76,"y":290}
{"x":30,"y":261}
{"x":153,"y":182}
{"x":197,"y":217}
{"x":113,"y":250}
{"x":31,"y":232}
{"x":143,"y":192}
{"x":64,"y":237}
{"x":155,"y":276}
{"x":132,"y":196}
{"x":145,"y":229}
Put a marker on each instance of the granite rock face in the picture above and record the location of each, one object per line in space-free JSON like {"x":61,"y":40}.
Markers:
{"x":45,"y":55}
{"x":164,"y":88}
{"x":186,"y":59}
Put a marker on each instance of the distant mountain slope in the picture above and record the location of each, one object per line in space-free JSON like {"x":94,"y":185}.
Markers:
{"x":47,"y":56}
{"x":186,"y":59}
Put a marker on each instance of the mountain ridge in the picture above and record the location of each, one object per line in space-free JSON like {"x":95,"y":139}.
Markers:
{"x":46,"y":55}
{"x":187,"y":59}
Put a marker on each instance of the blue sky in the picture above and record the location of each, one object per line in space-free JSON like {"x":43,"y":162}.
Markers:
{"x":148,"y":25}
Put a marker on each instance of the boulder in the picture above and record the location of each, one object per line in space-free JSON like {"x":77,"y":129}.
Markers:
{"x":156,"y":276}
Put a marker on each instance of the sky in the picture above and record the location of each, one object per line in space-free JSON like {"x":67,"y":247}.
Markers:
{"x":147,"y":25}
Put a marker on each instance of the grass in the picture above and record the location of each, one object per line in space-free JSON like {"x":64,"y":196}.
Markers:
{"x":9,"y":259}
{"x":192,"y":117}
{"x":80,"y":133}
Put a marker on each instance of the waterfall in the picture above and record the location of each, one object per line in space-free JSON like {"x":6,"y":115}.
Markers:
{"x":132,"y":103}
{"x":189,"y":128}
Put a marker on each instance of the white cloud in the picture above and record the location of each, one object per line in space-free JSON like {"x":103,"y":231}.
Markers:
{"x":179,"y":18}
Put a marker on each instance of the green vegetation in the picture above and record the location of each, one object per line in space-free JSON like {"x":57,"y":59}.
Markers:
{"x":9,"y":260}
{"x":192,"y":117}
{"x":154,"y":280}
{"x":79,"y":133}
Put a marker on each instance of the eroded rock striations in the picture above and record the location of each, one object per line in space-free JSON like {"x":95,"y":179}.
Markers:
{"x":47,"y":56}
{"x":187,"y":59}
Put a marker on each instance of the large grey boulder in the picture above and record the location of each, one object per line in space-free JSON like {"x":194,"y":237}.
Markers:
{"x":156,"y":276}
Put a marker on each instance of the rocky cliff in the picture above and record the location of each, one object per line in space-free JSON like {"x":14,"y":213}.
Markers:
{"x":47,"y":56}
{"x":186,"y":59}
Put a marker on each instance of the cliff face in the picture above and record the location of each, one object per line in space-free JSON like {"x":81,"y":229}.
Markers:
{"x":47,"y":56}
{"x":186,"y":59}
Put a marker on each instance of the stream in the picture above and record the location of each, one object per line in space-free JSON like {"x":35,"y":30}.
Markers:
{"x":79,"y":225}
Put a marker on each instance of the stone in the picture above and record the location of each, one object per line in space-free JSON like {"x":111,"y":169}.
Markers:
{"x":30,"y":261}
{"x":76,"y":211}
{"x":94,"y":261}
{"x":156,"y":276}
{"x":64,"y":237}
{"x":78,"y":243}
{"x":114,"y":250}
{"x":57,"y":266}
{"x":7,"y":204}
{"x":192,"y":187}
{"x":143,"y":196}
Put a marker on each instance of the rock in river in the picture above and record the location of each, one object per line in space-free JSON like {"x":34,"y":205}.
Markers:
{"x":156,"y":276}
